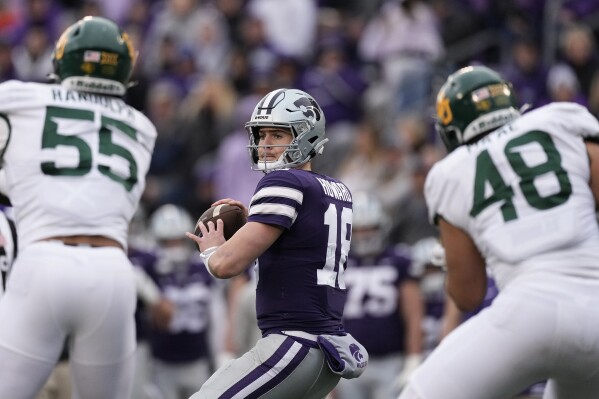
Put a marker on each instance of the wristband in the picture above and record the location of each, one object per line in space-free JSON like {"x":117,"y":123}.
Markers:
{"x":205,"y":256}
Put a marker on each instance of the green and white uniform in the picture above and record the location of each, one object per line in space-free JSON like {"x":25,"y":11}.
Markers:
{"x":522,"y":193}
{"x":75,"y":164}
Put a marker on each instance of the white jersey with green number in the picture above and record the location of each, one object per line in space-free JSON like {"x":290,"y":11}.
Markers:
{"x":75,"y":162}
{"x":522,"y":193}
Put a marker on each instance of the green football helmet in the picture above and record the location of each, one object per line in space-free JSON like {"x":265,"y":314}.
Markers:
{"x":94,"y":55}
{"x":473,"y":102}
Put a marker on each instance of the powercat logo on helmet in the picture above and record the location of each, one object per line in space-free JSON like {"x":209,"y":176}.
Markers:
{"x":308,"y":107}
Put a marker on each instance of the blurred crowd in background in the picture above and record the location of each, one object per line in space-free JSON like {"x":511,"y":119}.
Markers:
{"x":372,"y":65}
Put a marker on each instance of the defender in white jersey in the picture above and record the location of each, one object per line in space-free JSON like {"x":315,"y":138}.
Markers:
{"x":517,"y":193}
{"x":75,"y":157}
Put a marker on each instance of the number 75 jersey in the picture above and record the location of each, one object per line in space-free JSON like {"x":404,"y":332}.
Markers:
{"x":75,"y":162}
{"x":522,"y":193}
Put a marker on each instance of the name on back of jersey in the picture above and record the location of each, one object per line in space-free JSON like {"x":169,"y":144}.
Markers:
{"x":335,"y":190}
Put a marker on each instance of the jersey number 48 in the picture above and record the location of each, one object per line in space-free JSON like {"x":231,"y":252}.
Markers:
{"x":487,"y":174}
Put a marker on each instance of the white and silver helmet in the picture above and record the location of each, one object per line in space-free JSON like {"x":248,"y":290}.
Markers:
{"x":170,"y":222}
{"x":370,"y":224}
{"x":168,"y":225}
{"x":290,"y":109}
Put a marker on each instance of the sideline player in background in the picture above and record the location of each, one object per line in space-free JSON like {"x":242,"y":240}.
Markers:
{"x":180,"y":349}
{"x":299,"y":229}
{"x":75,"y":169}
{"x":384,"y":308}
{"x":518,"y":194}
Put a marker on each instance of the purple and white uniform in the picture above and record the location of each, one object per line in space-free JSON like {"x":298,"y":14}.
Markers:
{"x":300,"y":293}
{"x":181,"y":352}
{"x":371,"y":313}
{"x":300,"y":277}
{"x":189,"y":288}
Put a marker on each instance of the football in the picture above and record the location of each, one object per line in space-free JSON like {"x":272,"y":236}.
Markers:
{"x":231,"y":215}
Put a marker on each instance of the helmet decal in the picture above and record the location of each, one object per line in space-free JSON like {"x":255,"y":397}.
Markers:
{"x":271,"y":100}
{"x":109,"y":58}
{"x":132,"y":53}
{"x":61,"y":43}
{"x":444,"y":110}
{"x":309,"y":108}
{"x":88,"y":67}
{"x":92,"y":56}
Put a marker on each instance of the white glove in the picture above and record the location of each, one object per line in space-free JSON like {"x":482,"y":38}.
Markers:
{"x":411,"y":363}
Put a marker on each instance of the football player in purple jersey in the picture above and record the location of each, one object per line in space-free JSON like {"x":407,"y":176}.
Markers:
{"x":384,"y":307}
{"x":298,"y":230}
{"x":151,"y":307}
{"x":180,"y":346}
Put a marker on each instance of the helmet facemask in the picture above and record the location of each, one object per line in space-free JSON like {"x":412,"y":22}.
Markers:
{"x":450,"y":135}
{"x":295,"y":153}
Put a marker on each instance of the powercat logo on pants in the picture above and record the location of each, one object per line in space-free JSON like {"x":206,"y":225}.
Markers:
{"x":357,"y":354}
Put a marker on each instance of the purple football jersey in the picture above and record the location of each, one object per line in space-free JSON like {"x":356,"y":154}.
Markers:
{"x":143,"y":260}
{"x":300,"y":277}
{"x":372,"y":313}
{"x":189,"y":288}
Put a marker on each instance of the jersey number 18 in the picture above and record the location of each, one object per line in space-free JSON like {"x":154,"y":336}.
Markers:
{"x":338,"y":235}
